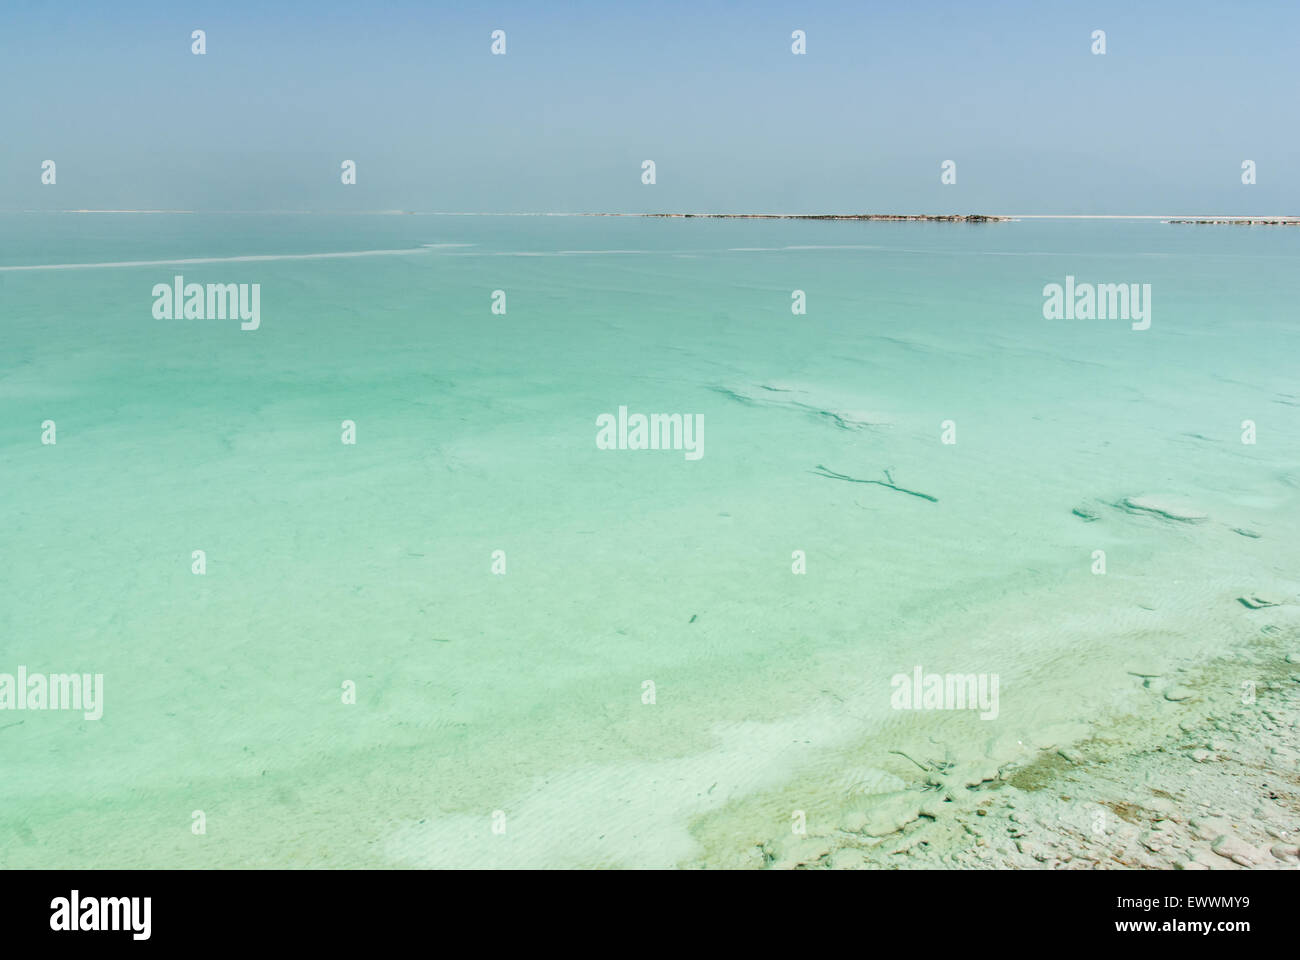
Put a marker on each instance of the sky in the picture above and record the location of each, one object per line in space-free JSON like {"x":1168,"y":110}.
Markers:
{"x":711,"y":92}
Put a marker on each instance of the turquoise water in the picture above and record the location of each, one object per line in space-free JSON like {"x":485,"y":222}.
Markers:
{"x":516,"y":699}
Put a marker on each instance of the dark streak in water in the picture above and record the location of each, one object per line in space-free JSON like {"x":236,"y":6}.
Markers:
{"x":887,"y":482}
{"x":837,"y":419}
{"x":739,"y":398}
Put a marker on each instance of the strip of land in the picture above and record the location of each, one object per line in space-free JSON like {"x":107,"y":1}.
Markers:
{"x":881,"y":217}
{"x":876,"y":217}
{"x":1245,"y":221}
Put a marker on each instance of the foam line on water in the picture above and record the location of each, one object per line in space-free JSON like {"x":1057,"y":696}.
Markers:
{"x":264,"y":258}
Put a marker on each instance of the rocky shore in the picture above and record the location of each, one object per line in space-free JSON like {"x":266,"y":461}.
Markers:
{"x":1205,"y":777}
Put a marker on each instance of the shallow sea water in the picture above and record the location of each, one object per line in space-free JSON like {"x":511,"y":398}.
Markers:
{"x":515,"y":701}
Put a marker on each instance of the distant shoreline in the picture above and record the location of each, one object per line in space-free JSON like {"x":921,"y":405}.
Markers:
{"x":1279,"y":220}
{"x":885,"y":217}
{"x":1244,"y":221}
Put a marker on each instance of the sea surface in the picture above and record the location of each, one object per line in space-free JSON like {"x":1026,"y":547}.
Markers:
{"x":639,"y":677}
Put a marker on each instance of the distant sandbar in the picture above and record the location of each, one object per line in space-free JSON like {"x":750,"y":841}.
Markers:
{"x":887,"y":217}
{"x":1245,"y":221}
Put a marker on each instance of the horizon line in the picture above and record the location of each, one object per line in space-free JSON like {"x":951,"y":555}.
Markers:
{"x":674,"y":215}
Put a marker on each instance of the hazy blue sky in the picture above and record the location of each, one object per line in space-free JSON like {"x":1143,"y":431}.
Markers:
{"x":711,"y":92}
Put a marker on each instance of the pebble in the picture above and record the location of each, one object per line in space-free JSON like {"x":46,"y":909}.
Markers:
{"x":848,"y":859}
{"x":1207,"y":858}
{"x":1236,"y":850}
{"x":1209,"y":828}
{"x":1154,"y":840}
{"x":980,"y":775}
